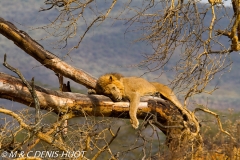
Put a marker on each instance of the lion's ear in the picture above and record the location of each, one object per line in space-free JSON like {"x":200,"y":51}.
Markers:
{"x":110,"y":79}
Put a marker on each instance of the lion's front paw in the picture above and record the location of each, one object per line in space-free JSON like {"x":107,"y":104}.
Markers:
{"x":91,"y":91}
{"x":135,"y":123}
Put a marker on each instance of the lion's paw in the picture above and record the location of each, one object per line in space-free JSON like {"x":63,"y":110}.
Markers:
{"x":135,"y":123}
{"x":91,"y":91}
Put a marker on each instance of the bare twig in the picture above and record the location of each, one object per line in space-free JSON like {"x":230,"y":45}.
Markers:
{"x":65,"y":25}
{"x":217,"y":117}
{"x":39,"y":134}
{"x":30,"y":88}
{"x":107,"y":145}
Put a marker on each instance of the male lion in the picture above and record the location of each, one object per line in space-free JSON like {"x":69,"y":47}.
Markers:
{"x":117,"y":87}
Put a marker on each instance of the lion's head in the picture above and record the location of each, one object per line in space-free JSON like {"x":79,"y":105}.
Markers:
{"x":111,"y":85}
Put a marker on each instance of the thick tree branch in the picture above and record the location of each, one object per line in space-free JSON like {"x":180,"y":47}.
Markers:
{"x":49,"y":60}
{"x":12,"y":88}
{"x":177,"y":123}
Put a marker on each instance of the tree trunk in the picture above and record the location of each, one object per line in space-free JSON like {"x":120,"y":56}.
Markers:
{"x":178,"y":124}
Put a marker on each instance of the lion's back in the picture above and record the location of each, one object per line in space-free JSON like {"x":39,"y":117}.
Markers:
{"x":167,"y":93}
{"x":127,"y":85}
{"x":137,"y":84}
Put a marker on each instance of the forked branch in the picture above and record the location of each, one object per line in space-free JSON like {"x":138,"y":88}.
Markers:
{"x":217,"y":117}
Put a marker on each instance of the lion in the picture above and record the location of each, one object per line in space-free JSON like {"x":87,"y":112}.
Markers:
{"x":118,"y":88}
{"x":167,"y":93}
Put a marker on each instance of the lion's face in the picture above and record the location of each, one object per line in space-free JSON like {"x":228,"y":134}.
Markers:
{"x":111,"y":85}
{"x":112,"y":91}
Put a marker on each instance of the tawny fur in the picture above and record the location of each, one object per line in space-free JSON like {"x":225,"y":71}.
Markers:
{"x":166,"y":92}
{"x":117,"y":87}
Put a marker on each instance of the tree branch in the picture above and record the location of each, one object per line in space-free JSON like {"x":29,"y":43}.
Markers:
{"x":97,"y":105}
{"x":12,"y":88}
{"x":46,"y":58}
